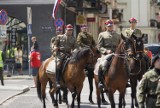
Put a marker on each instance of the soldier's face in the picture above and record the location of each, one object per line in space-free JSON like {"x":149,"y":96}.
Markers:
{"x":84,"y":29}
{"x":133,"y":24}
{"x":157,"y":64}
{"x":69,"y":32}
{"x":109,"y":28}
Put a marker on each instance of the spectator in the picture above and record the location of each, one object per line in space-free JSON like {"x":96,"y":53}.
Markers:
{"x":34,"y":43}
{"x":35,"y":59}
{"x":149,"y":53}
{"x":18,"y":59}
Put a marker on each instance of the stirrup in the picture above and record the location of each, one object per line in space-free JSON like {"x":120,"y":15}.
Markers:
{"x":100,"y":85}
{"x":58,"y":85}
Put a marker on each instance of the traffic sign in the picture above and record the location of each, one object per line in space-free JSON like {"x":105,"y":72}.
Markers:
{"x":58,"y":22}
{"x":3,"y":17}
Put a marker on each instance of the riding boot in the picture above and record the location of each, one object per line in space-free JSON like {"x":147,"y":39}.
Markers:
{"x":58,"y":75}
{"x":100,"y":77}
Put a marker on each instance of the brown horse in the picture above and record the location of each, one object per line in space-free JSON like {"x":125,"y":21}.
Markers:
{"x":42,"y":80}
{"x":73,"y":75}
{"x":117,"y":76}
{"x":138,"y":66}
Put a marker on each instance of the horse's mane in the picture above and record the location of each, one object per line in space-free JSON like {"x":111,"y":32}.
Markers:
{"x":119,"y":46}
{"x":76,"y":56}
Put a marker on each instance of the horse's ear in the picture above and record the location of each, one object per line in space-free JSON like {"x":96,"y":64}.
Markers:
{"x":134,"y":37}
{"x":123,"y":37}
{"x":142,"y":36}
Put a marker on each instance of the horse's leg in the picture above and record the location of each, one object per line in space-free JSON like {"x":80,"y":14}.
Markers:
{"x":133,"y":91}
{"x":65,"y":94}
{"x":136,"y":102}
{"x":79,"y":89}
{"x":104,"y":102}
{"x":121,"y":98}
{"x":51,"y":92}
{"x":90,"y":80}
{"x":74,"y":93}
{"x":60,"y":97}
{"x":43,"y":89}
{"x":111,"y":98}
{"x":97,"y":91}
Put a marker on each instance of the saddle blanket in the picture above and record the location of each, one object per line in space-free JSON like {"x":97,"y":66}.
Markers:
{"x":100,"y":61}
{"x":51,"y":68}
{"x":96,"y":67}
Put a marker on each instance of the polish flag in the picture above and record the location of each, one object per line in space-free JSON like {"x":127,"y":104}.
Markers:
{"x":55,"y":8}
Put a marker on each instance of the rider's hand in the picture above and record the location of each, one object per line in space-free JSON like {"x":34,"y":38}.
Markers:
{"x":56,"y":48}
{"x":109,"y":51}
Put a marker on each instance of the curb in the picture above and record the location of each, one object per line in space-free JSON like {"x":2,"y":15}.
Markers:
{"x":16,"y":94}
{"x":18,"y":77}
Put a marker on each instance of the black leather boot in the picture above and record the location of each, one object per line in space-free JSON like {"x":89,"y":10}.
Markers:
{"x":100,"y":77}
{"x":58,"y":75}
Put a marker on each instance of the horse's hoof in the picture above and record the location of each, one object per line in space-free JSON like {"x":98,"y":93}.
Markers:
{"x":60,"y":102}
{"x":67,"y":106}
{"x":56,"y":105}
{"x":105,"y":102}
{"x":91,"y":101}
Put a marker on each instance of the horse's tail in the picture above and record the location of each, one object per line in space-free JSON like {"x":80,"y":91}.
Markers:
{"x":39,"y":88}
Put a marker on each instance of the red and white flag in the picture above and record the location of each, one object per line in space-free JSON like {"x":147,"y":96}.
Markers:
{"x":55,"y":8}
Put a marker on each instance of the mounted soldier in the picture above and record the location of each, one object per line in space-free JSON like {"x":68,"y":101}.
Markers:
{"x":107,"y":41}
{"x":63,"y":46}
{"x":84,"y":38}
{"x":59,"y":31}
{"x":133,"y":29}
{"x":138,"y":33}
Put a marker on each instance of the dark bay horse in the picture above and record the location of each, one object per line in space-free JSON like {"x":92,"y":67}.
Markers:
{"x":73,"y":75}
{"x":117,"y":76}
{"x":138,"y":66}
{"x":90,"y":75}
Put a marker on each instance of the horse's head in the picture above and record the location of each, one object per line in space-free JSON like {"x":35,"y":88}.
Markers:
{"x":128,"y":45}
{"x":139,"y":46}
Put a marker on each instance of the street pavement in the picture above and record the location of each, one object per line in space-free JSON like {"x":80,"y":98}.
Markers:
{"x":11,"y":90}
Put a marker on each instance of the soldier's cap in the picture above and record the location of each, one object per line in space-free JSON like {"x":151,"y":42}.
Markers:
{"x":58,"y":29}
{"x":132,"y":20}
{"x":154,"y":60}
{"x":109,"y":23}
{"x":84,"y":26}
{"x":69,"y":27}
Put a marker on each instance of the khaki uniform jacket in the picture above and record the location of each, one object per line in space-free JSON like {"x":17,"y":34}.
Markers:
{"x":136,"y":32}
{"x":108,"y":41}
{"x":148,"y":86}
{"x":66,"y":44}
{"x":85,"y":39}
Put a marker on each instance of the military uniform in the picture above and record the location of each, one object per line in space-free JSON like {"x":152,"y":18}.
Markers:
{"x":136,"y":32}
{"x":85,"y":39}
{"x":108,"y":41}
{"x":158,"y":94}
{"x":66,"y":44}
{"x":147,"y":89}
